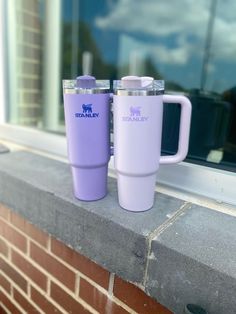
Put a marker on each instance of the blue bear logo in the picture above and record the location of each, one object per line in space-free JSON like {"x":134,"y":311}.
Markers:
{"x":87,"y":108}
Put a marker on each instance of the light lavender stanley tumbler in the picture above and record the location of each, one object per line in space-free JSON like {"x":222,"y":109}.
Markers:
{"x":138,"y":114}
{"x":86,"y":105}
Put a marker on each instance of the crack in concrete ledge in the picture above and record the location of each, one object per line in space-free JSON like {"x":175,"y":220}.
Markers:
{"x":159,"y":230}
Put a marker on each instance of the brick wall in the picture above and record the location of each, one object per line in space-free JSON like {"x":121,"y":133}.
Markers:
{"x":39,"y":274}
{"x":29,"y":61}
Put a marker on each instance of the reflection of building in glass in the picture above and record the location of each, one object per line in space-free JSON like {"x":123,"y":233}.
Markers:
{"x":28,"y":41}
{"x":33,"y":49}
{"x":25,"y":66}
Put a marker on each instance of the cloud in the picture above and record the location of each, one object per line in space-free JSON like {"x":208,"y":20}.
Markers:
{"x":179,"y":26}
{"x":160,"y":18}
{"x":179,"y":55}
{"x":130,"y":48}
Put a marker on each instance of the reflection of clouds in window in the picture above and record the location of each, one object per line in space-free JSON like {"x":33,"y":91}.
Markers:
{"x":224,"y":41}
{"x":211,"y":68}
{"x":158,"y":52}
{"x":178,"y":55}
{"x":186,"y":20}
{"x":160,"y":18}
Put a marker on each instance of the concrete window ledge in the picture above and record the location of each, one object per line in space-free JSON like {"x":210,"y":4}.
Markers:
{"x":177,"y":252}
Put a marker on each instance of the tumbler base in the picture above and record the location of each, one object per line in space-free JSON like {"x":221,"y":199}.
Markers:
{"x":90,"y":184}
{"x":136,"y":193}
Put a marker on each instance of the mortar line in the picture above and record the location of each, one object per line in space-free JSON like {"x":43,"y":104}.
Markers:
{"x":4,"y":308}
{"x":159,"y":230}
{"x":111,"y":284}
{"x":123,"y":305}
{"x":46,"y":273}
{"x":77,"y":285}
{"x":49,"y":298}
{"x":16,"y":304}
{"x":24,"y":234}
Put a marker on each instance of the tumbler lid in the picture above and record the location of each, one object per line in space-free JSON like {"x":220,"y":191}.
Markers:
{"x":85,"y":81}
{"x":138,"y":86}
{"x":86,"y":84}
{"x":131,"y":82}
{"x":147,"y":81}
{"x":136,"y":81}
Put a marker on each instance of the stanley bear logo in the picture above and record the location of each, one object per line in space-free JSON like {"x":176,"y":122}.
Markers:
{"x":135,"y":115}
{"x":87,"y":112}
{"x":135,"y":111}
{"x":87,"y":108}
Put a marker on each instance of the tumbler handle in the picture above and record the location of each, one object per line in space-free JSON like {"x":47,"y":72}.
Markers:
{"x":184,"y":129}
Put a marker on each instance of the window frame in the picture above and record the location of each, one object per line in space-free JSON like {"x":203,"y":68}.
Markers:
{"x":215,"y":184}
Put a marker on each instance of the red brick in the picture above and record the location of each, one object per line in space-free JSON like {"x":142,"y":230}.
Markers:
{"x":13,"y":275}
{"x":46,"y":306}
{"x":13,"y":236}
{"x":5,"y":284}
{"x":66,"y":301}
{"x":37,"y":234}
{"x":81,"y":263}
{"x":53,"y":266}
{"x":17,"y":221}
{"x":26,"y":227}
{"x":23,"y":302}
{"x":98,"y":300}
{"x":2,"y":311}
{"x":4,"y":212}
{"x":137,"y":299}
{"x":3,"y":248}
{"x":8,"y":304}
{"x":29,"y":270}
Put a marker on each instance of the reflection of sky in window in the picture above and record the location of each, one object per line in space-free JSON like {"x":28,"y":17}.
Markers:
{"x":171,"y":32}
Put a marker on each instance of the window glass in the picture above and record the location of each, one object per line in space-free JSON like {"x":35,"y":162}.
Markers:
{"x":190,"y":44}
{"x":25,"y":61}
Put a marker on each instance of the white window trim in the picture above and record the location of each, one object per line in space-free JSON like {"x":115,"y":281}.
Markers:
{"x":34,"y":138}
{"x":215,"y":184}
{"x":52,"y":61}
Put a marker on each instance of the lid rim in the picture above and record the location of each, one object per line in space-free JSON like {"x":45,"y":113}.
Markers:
{"x":99,"y":85}
{"x":138,"y":92}
{"x":86,"y":91}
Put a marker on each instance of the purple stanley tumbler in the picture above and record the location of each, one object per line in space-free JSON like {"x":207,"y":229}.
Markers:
{"x":86,"y":105}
